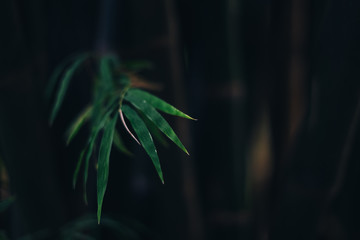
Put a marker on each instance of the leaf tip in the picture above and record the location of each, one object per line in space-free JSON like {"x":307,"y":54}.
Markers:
{"x":191,"y":118}
{"x":161,"y":178}
{"x":99,"y":215}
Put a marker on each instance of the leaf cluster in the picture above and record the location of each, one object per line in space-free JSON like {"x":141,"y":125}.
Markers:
{"x":114,"y":97}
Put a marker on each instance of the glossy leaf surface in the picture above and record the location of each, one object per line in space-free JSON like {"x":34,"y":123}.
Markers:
{"x":144,"y":137}
{"x":156,"y":118}
{"x":155,"y":102}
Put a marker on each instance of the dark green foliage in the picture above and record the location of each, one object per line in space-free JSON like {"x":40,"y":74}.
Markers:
{"x":119,"y":144}
{"x":77,"y":124}
{"x":111,"y":86}
{"x":150,"y":112}
{"x":57,"y":73}
{"x":103,"y":161}
{"x":155,"y":102}
{"x":154,"y":130}
{"x":144,"y":137}
{"x":64,"y":86}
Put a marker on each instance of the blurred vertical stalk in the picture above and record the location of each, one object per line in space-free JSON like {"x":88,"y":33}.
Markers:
{"x":298,"y":65}
{"x":24,"y":137}
{"x":236,"y":74}
{"x":195,"y":222}
{"x":106,"y":26}
{"x":290,"y":77}
{"x":279,"y":58}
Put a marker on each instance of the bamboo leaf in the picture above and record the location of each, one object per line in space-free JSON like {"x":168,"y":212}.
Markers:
{"x":92,"y":141}
{"x":144,"y":137}
{"x":105,"y":72}
{"x":119,"y":144}
{"x":77,"y":124}
{"x":155,"y":102}
{"x":154,"y":130}
{"x":78,"y":165}
{"x":103,"y":162}
{"x":57,"y":73}
{"x":64,"y":86}
{"x":114,"y":61}
{"x":157,"y":119}
{"x":88,"y":150}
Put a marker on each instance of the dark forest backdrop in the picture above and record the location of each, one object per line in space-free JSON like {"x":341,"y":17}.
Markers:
{"x":274,"y":84}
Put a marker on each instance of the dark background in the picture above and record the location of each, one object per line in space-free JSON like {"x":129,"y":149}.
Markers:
{"x":274,"y":84}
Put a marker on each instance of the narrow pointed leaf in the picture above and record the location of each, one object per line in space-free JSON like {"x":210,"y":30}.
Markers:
{"x":87,"y":161}
{"x":64,"y":86}
{"x":144,"y":137}
{"x":91,"y":143}
{"x":155,"y":102}
{"x":57,"y":73}
{"x":88,"y":150}
{"x":54,"y":77}
{"x":77,"y":124}
{"x":157,"y":119}
{"x":103,"y":162}
{"x":78,"y":165}
{"x":119,"y":144}
{"x":154,"y":130}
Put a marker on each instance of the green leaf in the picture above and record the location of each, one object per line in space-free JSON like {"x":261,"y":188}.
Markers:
{"x":78,"y":165}
{"x":103,"y":162}
{"x":156,"y":118}
{"x":105,"y":72}
{"x":57,"y":72}
{"x":155,"y":102}
{"x":114,"y":61}
{"x":87,"y":161}
{"x":154,"y":130}
{"x":88,"y":150}
{"x":119,"y":144}
{"x":77,"y":124}
{"x":64,"y":86}
{"x":92,"y":141}
{"x":144,"y":137}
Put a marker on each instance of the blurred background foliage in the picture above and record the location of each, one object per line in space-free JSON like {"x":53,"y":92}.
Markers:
{"x":274,"y":84}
